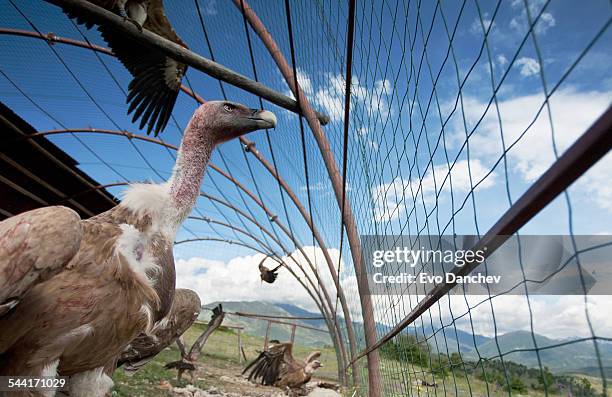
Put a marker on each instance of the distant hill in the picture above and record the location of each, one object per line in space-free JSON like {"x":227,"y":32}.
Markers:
{"x":515,"y":346}
{"x":277,"y":331}
{"x":574,"y":357}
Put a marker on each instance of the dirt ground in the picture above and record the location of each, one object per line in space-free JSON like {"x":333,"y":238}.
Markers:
{"x":218,"y":377}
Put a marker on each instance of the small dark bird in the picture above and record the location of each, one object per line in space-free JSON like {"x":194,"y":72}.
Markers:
{"x":157,"y":78}
{"x":185,"y":309}
{"x":277,"y":367}
{"x":267,"y":275}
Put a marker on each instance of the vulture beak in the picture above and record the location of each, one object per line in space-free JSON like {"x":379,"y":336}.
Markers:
{"x":263,"y":118}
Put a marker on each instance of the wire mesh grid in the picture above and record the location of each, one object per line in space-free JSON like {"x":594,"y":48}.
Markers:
{"x":456,"y":109}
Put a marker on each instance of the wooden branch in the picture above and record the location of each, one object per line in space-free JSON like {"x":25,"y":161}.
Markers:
{"x":215,"y":322}
{"x":181,"y":347}
{"x":182,"y":54}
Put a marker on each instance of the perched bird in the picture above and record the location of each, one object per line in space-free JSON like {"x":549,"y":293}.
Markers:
{"x":276,"y":366}
{"x":157,"y":78}
{"x":121,"y":280}
{"x":188,"y":360}
{"x":184,"y":311}
{"x":267,"y":275}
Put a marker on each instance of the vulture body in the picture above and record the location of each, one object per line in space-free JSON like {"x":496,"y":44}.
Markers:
{"x":268,"y":275}
{"x":42,"y":254}
{"x":156,"y":78}
{"x":121,"y":280}
{"x":277,"y":367}
{"x":184,"y":311}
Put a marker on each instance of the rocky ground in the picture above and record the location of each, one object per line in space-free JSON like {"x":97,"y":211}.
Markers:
{"x":227,"y":384}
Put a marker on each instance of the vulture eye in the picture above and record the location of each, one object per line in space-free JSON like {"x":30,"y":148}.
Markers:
{"x":228,"y":107}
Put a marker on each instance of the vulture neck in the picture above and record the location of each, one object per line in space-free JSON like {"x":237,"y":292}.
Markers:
{"x":191,"y":162}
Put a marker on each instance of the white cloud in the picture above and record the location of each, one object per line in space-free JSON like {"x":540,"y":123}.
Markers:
{"x":330,"y":97}
{"x":573,"y":112}
{"x":520,"y":23}
{"x":502,"y":60}
{"x":528,"y":66}
{"x":553,"y":316}
{"x":210,"y":7}
{"x":238,"y":279}
{"x":476,"y":27}
{"x":390,"y":199}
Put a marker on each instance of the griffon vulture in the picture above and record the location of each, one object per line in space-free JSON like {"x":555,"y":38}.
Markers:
{"x":276,"y":366}
{"x":157,"y":78}
{"x":185,"y":309}
{"x":188,"y":360}
{"x":121,"y":280}
{"x":267,"y":275}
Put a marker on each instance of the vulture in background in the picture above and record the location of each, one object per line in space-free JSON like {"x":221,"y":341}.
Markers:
{"x":277,"y":367}
{"x":188,"y":360}
{"x":121,"y":279}
{"x":267,"y":275}
{"x":185,"y":309}
{"x":157,"y":78}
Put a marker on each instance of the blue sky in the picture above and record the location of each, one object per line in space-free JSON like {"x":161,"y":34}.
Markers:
{"x":400,"y":49}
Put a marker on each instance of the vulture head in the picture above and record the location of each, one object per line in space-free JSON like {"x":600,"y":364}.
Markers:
{"x":227,"y":120}
{"x":312,"y":366}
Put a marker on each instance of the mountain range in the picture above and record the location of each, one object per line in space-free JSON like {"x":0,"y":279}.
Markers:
{"x":567,"y":356}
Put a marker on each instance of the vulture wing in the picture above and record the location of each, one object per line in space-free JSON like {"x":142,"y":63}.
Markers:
{"x":34,"y":246}
{"x":270,"y":364}
{"x":157,"y":78}
{"x":313,"y":356}
{"x":184,"y":311}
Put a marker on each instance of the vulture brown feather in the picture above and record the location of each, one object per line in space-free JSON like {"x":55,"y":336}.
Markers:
{"x":120,"y":281}
{"x":156,"y":82}
{"x":184,"y":311}
{"x":277,"y":367}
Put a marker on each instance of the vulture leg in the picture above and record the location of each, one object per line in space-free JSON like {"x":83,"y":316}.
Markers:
{"x":34,"y":246}
{"x":179,"y":374}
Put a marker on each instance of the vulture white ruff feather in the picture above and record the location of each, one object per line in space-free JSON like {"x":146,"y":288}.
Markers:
{"x":121,"y":279}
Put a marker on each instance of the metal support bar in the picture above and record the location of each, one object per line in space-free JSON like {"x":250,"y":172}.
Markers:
{"x":181,"y":54}
{"x":577,"y":159}
{"x":337,"y":183}
{"x":267,"y":334}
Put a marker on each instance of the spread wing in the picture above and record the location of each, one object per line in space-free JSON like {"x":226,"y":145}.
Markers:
{"x":34,"y":246}
{"x":313,"y":356}
{"x":184,"y":311}
{"x":268,"y":367}
{"x":157,"y":78}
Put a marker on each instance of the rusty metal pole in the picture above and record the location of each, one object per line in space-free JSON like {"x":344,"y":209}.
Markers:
{"x":322,"y":245}
{"x":292,"y":333}
{"x":337,"y":183}
{"x":267,"y":333}
{"x":239,"y":346}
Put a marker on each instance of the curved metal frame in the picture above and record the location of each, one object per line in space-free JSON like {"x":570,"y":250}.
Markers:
{"x":56,"y":39}
{"x":337,"y":184}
